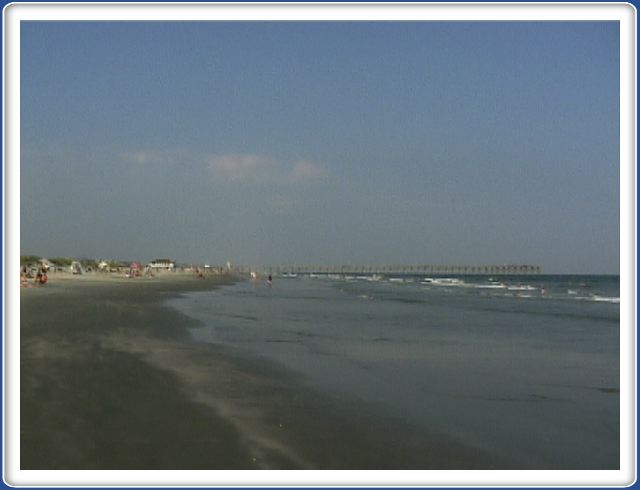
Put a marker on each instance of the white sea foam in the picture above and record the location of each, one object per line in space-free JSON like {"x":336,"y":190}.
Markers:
{"x":607,"y":299}
{"x":448,"y":281}
{"x":522,"y":288}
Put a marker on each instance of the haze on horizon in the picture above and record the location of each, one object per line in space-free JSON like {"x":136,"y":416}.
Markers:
{"x":323,"y":143}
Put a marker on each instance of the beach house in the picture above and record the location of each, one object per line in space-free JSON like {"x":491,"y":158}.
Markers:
{"x":162,"y":265}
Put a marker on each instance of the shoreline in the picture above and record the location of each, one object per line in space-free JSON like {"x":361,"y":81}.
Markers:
{"x":111,"y":379}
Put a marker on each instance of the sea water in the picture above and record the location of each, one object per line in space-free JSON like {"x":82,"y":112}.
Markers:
{"x":523,"y":367}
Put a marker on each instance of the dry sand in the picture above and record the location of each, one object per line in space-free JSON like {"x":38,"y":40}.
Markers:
{"x":110,"y":379}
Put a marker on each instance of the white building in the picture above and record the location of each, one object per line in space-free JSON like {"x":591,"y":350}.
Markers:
{"x":163,"y":264}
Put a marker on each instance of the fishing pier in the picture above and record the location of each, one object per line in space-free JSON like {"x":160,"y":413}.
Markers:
{"x":491,"y":270}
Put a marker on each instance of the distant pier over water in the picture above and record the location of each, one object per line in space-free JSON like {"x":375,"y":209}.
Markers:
{"x":493,"y":270}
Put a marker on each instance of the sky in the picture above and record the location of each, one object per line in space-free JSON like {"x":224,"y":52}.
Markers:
{"x":322,"y":143}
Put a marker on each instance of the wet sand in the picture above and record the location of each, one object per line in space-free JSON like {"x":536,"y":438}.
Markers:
{"x":111,"y":379}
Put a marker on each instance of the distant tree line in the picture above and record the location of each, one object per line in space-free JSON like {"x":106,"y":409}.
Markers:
{"x":29,"y":259}
{"x":67,"y":261}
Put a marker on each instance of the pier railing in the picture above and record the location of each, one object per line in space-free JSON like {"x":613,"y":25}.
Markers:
{"x":509,"y":269}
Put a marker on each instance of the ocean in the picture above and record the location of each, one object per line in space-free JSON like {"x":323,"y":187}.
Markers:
{"x":526,"y":368}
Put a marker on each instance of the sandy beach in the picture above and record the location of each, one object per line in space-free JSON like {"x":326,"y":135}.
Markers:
{"x":111,"y":379}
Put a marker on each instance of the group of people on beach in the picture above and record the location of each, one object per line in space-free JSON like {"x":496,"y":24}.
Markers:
{"x":40,"y":279}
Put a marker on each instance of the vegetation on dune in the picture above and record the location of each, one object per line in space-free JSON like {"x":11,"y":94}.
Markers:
{"x":67,"y":261}
{"x":29,"y":259}
{"x":88,"y":263}
{"x":61,"y":261}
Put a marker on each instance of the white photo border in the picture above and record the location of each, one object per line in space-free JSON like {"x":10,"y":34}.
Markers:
{"x":14,"y":13}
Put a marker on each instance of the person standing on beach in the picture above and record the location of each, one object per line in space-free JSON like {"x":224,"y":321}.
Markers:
{"x":41,"y":277}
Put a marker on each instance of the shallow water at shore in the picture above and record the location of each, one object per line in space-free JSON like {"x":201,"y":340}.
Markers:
{"x":530,"y":376}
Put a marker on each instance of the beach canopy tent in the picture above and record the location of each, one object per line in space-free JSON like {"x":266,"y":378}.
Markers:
{"x":76,"y":268}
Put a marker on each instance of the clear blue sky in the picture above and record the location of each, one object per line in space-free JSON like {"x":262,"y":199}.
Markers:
{"x":281,"y":143}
